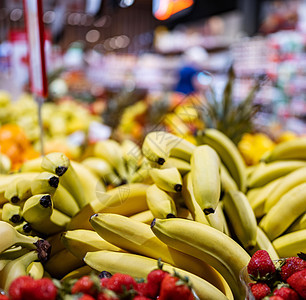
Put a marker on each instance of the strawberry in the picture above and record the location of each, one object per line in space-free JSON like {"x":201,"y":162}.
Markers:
{"x":173,"y":288}
{"x":3,"y":297}
{"x":141,"y":298}
{"x":84,"y":285}
{"x":286,"y":293}
{"x":292,"y":265}
{"x":42,"y":289}
{"x":259,"y":290}
{"x":107,"y":295}
{"x":17,"y":286}
{"x":141,"y":288}
{"x":154,"y":279}
{"x":298,"y":282}
{"x":86,"y":297}
{"x":104,"y":281}
{"x":261,"y":266}
{"x":119,"y":283}
{"x":275,"y":298}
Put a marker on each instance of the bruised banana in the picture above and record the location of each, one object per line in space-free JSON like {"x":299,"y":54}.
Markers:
{"x":169,"y":180}
{"x":205,"y":175}
{"x":81,"y":241}
{"x":12,"y":213}
{"x":160,"y":203}
{"x":241,"y":217}
{"x":206,"y":244}
{"x":182,"y":165}
{"x":139,"y":266}
{"x":285,"y":212}
{"x":137,"y":237}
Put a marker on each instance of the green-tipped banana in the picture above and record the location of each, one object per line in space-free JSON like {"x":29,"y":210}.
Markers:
{"x":12,"y":213}
{"x":182,"y":165}
{"x":290,"y":181}
{"x":160,"y":203}
{"x":273,"y":170}
{"x":293,"y":149}
{"x":298,"y":224}
{"x":36,"y":270}
{"x":139,"y":266}
{"x":285,"y":212}
{"x":242,"y":218}
{"x":190,"y":201}
{"x":18,"y":190}
{"x":111,"y":151}
{"x":228,"y":153}
{"x":81,"y":241}
{"x":291,"y":244}
{"x":207,"y":244}
{"x":205,"y":175}
{"x":16,"y":268}
{"x":44,"y":183}
{"x":55,"y":162}
{"x":37,"y":208}
{"x":169,"y":180}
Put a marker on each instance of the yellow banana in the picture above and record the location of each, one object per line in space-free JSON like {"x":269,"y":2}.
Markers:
{"x":160,"y":203}
{"x":205,"y":174}
{"x":139,"y":266}
{"x":284,"y":212}
{"x":291,"y":244}
{"x":207,"y":244}
{"x":273,"y":170}
{"x":44,"y":183}
{"x":169,"y":180}
{"x":290,"y":181}
{"x":145,"y":216}
{"x":241,"y":217}
{"x":12,"y":213}
{"x":184,"y":213}
{"x":18,"y":190}
{"x":35,"y":269}
{"x":228,"y":153}
{"x":227,"y":181}
{"x":78,"y":273}
{"x":11,"y":254}
{"x":190,"y":201}
{"x":24,"y":228}
{"x":55,"y":162}
{"x":182,"y":165}
{"x":132,"y":155}
{"x":217,"y":219}
{"x":81,"y":241}
{"x":298,"y":224}
{"x":32,"y":165}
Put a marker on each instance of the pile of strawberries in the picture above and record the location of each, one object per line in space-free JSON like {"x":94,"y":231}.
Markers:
{"x":284,"y":279}
{"x":159,"y":284}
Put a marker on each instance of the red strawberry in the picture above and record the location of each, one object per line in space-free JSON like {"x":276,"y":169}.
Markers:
{"x":104,"y":281}
{"x":275,"y":298}
{"x":84,"y":285}
{"x":142,"y":288}
{"x":42,"y":289}
{"x":16,"y":287}
{"x":292,"y":265}
{"x":154,"y":280}
{"x":286,"y":293}
{"x":107,"y":295}
{"x":3,"y":297}
{"x":261,"y":266}
{"x":260,"y":290}
{"x":141,"y":298}
{"x":119,"y":283}
{"x":173,"y":288}
{"x":86,"y":297}
{"x":298,"y":282}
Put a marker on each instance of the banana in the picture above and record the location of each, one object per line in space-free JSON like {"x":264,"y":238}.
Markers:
{"x":227,"y":181}
{"x":37,"y":208}
{"x":217,"y":219}
{"x":173,"y":162}
{"x":290,"y":181}
{"x":159,"y":145}
{"x":160,"y":203}
{"x":44,"y":183}
{"x":207,"y":244}
{"x":145,"y":216}
{"x":228,"y":153}
{"x":205,"y":175}
{"x":263,"y":243}
{"x":32,"y":165}
{"x":55,"y":162}
{"x":11,"y":237}
{"x":12,"y":213}
{"x":137,"y":237}
{"x":81,"y":241}
{"x":11,"y":254}
{"x":56,"y":243}
{"x":62,"y":263}
{"x":284,"y":212}
{"x":220,"y":210}
{"x":111,"y":151}
{"x":293,"y":149}
{"x":78,"y":273}
{"x":18,"y":190}
{"x":169,"y":180}
{"x":290,"y":244}
{"x":126,"y":199}
{"x":190,"y":201}
{"x":273,"y":170}
{"x":241,"y":217}
{"x":5,"y":164}
{"x":298,"y":224}
{"x":258,"y":201}
{"x":24,"y":228}
{"x":184,"y":213}
{"x":102,"y":169}
{"x":36,"y":270}
{"x":131,"y":155}
{"x":139,"y":266}
{"x":16,"y":268}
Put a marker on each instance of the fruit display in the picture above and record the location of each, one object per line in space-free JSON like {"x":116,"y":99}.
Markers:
{"x":196,"y":207}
